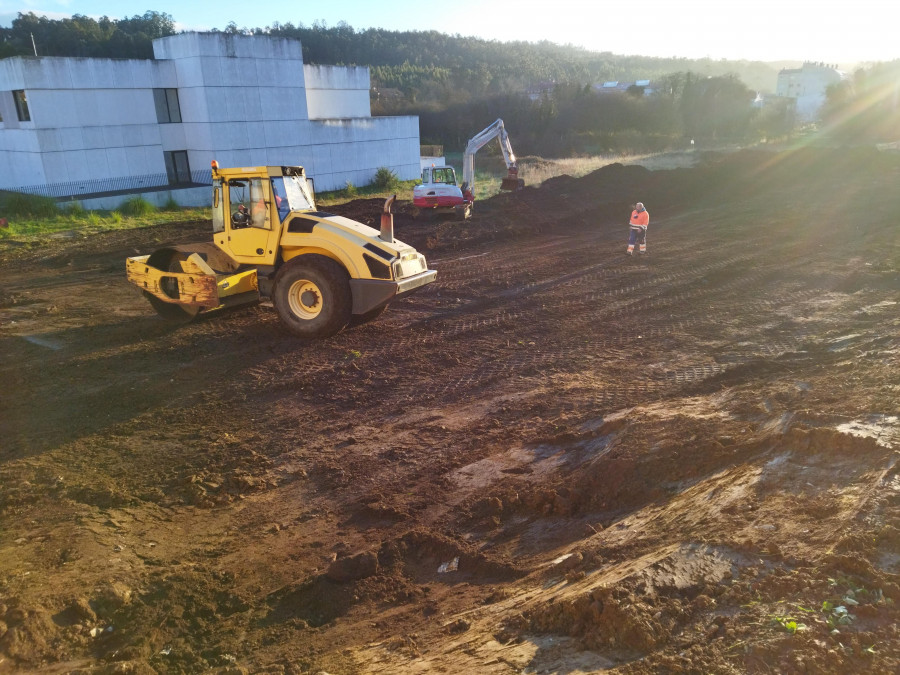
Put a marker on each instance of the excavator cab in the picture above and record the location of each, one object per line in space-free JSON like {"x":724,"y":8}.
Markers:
{"x":439,"y":192}
{"x":439,"y":174}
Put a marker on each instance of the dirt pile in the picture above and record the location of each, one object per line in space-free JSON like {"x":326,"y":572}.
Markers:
{"x":555,"y":458}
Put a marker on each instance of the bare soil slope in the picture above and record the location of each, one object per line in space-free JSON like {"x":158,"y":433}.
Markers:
{"x":554,"y":459}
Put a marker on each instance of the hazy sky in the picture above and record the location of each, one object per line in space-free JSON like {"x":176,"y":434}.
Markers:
{"x":845,"y":33}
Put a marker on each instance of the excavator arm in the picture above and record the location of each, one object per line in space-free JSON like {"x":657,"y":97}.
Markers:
{"x":495,"y":130}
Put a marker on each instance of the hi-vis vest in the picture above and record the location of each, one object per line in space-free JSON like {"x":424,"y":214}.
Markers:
{"x":640,"y":218}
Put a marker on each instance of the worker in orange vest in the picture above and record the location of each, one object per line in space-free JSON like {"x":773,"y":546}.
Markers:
{"x":637,"y":233}
{"x":258,"y":214}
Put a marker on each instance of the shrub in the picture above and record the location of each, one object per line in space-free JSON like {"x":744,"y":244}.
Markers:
{"x":75,"y":210}
{"x":386,"y":180}
{"x":350,"y":190}
{"x":136,"y":206}
{"x":23,"y":205}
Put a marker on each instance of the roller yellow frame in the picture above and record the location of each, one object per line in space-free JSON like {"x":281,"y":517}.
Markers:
{"x":269,"y":240}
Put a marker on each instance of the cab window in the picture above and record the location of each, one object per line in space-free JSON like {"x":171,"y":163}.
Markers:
{"x":218,"y":214}
{"x":444,"y":176}
{"x":259,"y":207}
{"x":296,"y":191}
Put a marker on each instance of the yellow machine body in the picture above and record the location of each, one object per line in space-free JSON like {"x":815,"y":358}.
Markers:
{"x":263,"y":219}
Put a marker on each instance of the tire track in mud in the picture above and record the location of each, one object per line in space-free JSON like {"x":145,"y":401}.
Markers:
{"x":606,"y":268}
{"x":472,"y":324}
{"x":624,"y":308}
{"x":674,"y":378}
{"x":529,"y":362}
{"x":81,"y":277}
{"x":676,"y":288}
{"x":422,"y":332}
{"x":524,"y":292}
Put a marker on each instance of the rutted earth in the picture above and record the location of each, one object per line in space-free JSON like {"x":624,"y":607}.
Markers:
{"x":554,"y":459}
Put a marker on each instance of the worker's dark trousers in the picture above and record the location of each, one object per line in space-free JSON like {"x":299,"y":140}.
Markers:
{"x":637,"y":235}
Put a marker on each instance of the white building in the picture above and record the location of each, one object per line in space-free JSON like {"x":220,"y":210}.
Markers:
{"x":84,"y":126}
{"x":807,"y":86}
{"x":615,"y":86}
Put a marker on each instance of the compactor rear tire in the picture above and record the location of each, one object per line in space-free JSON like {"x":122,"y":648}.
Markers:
{"x":313,"y":297}
{"x":167,"y":260}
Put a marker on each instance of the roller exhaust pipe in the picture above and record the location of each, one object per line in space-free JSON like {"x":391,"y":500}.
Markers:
{"x":387,"y":221}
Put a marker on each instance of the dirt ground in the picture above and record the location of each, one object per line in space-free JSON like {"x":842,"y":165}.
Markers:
{"x":554,"y":459}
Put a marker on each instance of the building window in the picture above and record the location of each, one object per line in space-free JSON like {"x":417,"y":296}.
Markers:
{"x":167,"y":108}
{"x":22,"y":105}
{"x":177,"y":167}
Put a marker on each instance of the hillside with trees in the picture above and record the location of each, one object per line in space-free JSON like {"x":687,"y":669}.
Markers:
{"x":457,"y":85}
{"x":129,"y":38}
{"x":427,"y":66}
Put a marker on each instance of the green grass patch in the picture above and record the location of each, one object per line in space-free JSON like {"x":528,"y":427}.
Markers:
{"x":136,"y":207}
{"x":74,"y":210}
{"x":35,"y":217}
{"x":171,"y":204}
{"x":18,"y":205}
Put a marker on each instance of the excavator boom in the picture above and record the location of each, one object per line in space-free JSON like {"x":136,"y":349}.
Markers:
{"x":495,"y":130}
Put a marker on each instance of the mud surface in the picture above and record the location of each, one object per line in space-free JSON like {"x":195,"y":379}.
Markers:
{"x":554,"y":459}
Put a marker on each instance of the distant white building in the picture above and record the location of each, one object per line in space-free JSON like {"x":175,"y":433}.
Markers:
{"x":615,"y":86}
{"x":807,"y":86}
{"x":84,"y":126}
{"x":538,"y":91}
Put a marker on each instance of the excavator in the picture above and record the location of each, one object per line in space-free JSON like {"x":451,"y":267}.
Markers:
{"x":439,"y":190}
{"x":496,"y":130}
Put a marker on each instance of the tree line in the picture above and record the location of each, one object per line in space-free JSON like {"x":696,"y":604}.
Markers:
{"x":79,"y":35}
{"x":544,"y":92}
{"x":574,"y":120}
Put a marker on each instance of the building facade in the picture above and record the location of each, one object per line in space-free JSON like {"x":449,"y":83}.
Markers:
{"x":84,"y":127}
{"x":643,"y":87}
{"x":807,"y":86}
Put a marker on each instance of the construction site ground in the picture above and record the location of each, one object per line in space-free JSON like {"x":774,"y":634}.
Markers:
{"x":554,"y":459}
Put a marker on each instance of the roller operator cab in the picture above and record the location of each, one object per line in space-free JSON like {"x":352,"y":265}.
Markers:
{"x":320,"y":270}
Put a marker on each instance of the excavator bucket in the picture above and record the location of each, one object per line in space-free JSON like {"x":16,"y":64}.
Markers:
{"x":512,"y":182}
